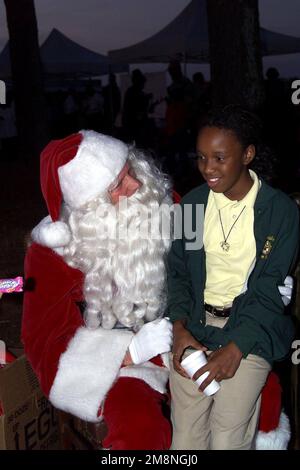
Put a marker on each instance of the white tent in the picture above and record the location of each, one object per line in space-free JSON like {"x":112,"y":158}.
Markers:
{"x":64,"y":57}
{"x":186,"y":39}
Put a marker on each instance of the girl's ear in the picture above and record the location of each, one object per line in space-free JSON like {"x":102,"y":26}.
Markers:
{"x":249,"y":154}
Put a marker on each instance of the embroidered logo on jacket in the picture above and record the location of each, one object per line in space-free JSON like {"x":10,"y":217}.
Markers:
{"x":267,"y":247}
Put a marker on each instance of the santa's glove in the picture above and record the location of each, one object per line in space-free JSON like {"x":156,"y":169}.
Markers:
{"x":153,"y":338}
{"x":286,"y":291}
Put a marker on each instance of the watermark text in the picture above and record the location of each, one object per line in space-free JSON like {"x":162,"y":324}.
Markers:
{"x":2,"y":92}
{"x":296,"y":93}
{"x":296,"y":353}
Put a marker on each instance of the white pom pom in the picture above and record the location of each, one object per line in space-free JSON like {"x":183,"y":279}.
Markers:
{"x":51,"y":234}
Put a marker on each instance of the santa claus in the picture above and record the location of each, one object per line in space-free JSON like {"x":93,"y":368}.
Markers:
{"x":92,"y":326}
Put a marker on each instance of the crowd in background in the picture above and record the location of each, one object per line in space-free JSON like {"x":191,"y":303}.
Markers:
{"x":186,"y":103}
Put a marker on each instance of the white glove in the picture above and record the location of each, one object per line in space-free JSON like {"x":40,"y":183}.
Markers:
{"x":153,"y":338}
{"x":286,"y":291}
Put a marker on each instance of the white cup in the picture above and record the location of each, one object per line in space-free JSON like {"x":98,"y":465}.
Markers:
{"x":192,"y":363}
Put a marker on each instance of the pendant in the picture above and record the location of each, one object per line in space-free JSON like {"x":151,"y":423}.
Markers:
{"x":225,"y":246}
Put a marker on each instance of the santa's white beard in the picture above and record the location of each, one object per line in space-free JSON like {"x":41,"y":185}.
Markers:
{"x":123,"y":264}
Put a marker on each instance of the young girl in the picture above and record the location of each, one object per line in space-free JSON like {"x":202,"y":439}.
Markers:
{"x":224,"y":297}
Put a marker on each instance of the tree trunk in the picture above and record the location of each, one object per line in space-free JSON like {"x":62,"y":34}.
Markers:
{"x":235,"y":59}
{"x":27,"y":77}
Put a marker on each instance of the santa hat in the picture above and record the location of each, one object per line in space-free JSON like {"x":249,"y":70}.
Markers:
{"x":75,"y":170}
{"x":274,"y":427}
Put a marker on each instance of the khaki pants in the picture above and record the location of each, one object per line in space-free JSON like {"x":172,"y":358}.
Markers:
{"x":226,"y":420}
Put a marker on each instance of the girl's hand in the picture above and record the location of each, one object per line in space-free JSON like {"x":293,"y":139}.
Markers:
{"x":183,"y":339}
{"x":222,"y":364}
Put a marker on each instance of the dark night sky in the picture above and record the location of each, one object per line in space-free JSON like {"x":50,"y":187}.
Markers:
{"x":108,"y":24}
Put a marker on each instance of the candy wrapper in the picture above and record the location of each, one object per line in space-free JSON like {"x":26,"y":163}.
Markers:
{"x":11,"y":285}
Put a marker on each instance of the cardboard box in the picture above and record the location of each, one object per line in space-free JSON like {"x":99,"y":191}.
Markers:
{"x":77,"y":434}
{"x":28,"y":421}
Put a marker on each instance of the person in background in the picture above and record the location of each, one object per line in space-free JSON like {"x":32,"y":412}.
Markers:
{"x":135,"y":118}
{"x":112,"y":102}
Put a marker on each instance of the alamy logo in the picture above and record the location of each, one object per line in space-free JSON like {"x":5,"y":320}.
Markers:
{"x":296,"y":94}
{"x":2,"y":353}
{"x":157,"y":222}
{"x":296,"y":353}
{"x":2,"y":92}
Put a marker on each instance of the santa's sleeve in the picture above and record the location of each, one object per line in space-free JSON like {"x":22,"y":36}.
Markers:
{"x":76,"y":367}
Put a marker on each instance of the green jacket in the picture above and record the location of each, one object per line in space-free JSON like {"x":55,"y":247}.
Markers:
{"x":257,"y":323}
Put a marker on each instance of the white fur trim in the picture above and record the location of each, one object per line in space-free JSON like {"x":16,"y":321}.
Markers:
{"x":87,"y":370}
{"x":51,"y":234}
{"x":166,"y":360}
{"x":277,"y":439}
{"x":98,"y":162}
{"x":153,"y":375}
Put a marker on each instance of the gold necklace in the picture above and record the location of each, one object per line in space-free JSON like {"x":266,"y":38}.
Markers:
{"x":224,"y":244}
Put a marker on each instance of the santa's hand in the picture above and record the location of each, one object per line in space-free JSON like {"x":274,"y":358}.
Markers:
{"x":153,"y":338}
{"x":286,"y":291}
